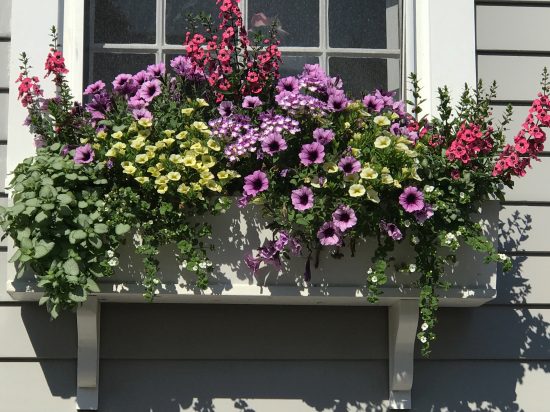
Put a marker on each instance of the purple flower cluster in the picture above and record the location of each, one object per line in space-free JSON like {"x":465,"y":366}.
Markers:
{"x":330,"y":233}
{"x":271,"y":122}
{"x":391,"y":230}
{"x":380,"y":101}
{"x":183,"y":66}
{"x":238,"y":131}
{"x":270,"y":252}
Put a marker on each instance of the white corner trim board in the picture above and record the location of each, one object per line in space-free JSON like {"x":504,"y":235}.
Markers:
{"x":87,"y":370}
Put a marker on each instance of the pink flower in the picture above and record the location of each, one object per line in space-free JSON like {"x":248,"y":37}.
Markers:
{"x":312,"y":153}
{"x":255,"y":183}
{"x":412,"y":199}
{"x":302,"y":198}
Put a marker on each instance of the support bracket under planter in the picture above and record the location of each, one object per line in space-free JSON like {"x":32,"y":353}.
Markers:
{"x":87,"y":378}
{"x":403,"y":323}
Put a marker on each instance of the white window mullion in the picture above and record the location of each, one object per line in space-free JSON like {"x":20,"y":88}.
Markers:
{"x":323,"y":33}
{"x":159,"y":26}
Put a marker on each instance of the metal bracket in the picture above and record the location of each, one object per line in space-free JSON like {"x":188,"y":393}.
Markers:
{"x":87,"y":372}
{"x":403,"y":324}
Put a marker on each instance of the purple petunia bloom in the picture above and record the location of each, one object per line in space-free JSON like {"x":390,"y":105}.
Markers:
{"x":65,"y":150}
{"x":225,"y":108}
{"x":290,"y":84}
{"x":329,"y":234}
{"x":149,"y":90}
{"x":125,"y":84}
{"x":344,"y":218}
{"x":391,"y":230}
{"x":142,"y":77}
{"x":273,"y":143}
{"x":84,"y":154}
{"x":94,"y":88}
{"x":184,"y":66}
{"x":141,"y":114}
{"x":302,"y":198}
{"x":295,"y":246}
{"x":323,"y":136}
{"x":100,"y":104}
{"x":373,"y":103}
{"x":412,"y":199}
{"x":243,"y":201}
{"x":255,"y":183}
{"x":156,"y":70}
{"x":39,"y":142}
{"x":424,"y":214}
{"x":312,"y":153}
{"x":251,"y":102}
{"x":282,"y":240}
{"x":395,"y":129}
{"x":252,"y":263}
{"x":337,"y":101}
{"x":349,"y":165}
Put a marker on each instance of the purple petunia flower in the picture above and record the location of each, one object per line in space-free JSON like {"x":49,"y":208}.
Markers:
{"x":424,"y":214}
{"x":255,"y":183}
{"x":125,"y":84}
{"x":329,"y":234}
{"x":337,"y":101}
{"x":323,"y":136}
{"x":183,"y":66}
{"x":156,"y":70}
{"x":65,"y":150}
{"x":252,"y":263}
{"x":312,"y":153}
{"x":395,"y":129}
{"x":283,"y":172}
{"x":142,"y":77}
{"x":94,"y":88}
{"x":251,"y":102}
{"x":84,"y":154}
{"x":349,"y":165}
{"x":391,"y":230}
{"x":290,"y":84}
{"x":149,"y":90}
{"x":295,"y":246}
{"x":373,"y":103}
{"x":282,"y":240}
{"x":273,"y":143}
{"x":39,"y":142}
{"x":412,"y":199}
{"x":344,"y":218}
{"x":243,"y":201}
{"x":225,"y":108}
{"x":100,"y":104}
{"x":141,"y":114}
{"x":302,"y":198}
{"x":109,"y":164}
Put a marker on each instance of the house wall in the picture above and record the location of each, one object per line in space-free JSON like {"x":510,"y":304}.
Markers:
{"x":166,"y":358}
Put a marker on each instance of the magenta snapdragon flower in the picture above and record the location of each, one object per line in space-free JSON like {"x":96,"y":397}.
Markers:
{"x":302,"y":198}
{"x":344,"y":218}
{"x":329,"y":234}
{"x":349,"y":165}
{"x":273,"y":143}
{"x":412,"y":199}
{"x":255,"y":183}
{"x":84,"y":154}
{"x":323,"y":136}
{"x":312,"y":153}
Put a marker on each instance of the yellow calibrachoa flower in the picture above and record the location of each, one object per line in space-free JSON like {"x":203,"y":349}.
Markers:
{"x":356,"y":136}
{"x":168,"y":132}
{"x":411,"y":153}
{"x":133,"y":127}
{"x":386,"y":179}
{"x":208,"y":161}
{"x":111,"y":153}
{"x":196,"y":186}
{"x":201,"y":127}
{"x":357,"y":190}
{"x":137,"y":143}
{"x":402,"y":147}
{"x":215,"y":187}
{"x":176,"y":158}
{"x":368,"y":173}
{"x":414,"y":174}
{"x":396,"y":183}
{"x":382,"y":142}
{"x":330,"y":167}
{"x":161,"y":180}
{"x":394,"y":116}
{"x":117,"y":135}
{"x":83,"y":141}
{"x":142,"y":179}
{"x":351,"y":178}
{"x":96,"y":146}
{"x":347,"y":125}
{"x":168,"y":141}
{"x":189,"y":160}
{"x":160,"y":144}
{"x":182,"y":135}
{"x":145,"y":122}
{"x":382,"y":121}
{"x":144,"y":133}
{"x":174,"y":176}
{"x":159,"y":166}
{"x":183,"y":188}
{"x":212,"y":144}
{"x":142,"y":158}
{"x":162,"y":189}
{"x":356,"y":152}
{"x":202,"y":102}
{"x":207,"y":175}
{"x":223,"y":174}
{"x":402,"y":139}
{"x":187,"y":111}
{"x":153,"y":171}
{"x":162,"y":156}
{"x":372,"y":195}
{"x":316,"y":182}
{"x":150,"y":154}
{"x":233,"y":174}
{"x":128,"y":167}
{"x":101,"y":135}
{"x":151,"y":148}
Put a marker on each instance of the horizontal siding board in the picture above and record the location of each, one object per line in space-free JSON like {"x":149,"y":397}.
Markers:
{"x":524,"y":228}
{"x":534,"y":186}
{"x":518,"y":117}
{"x":46,"y":386}
{"x":518,"y":77}
{"x":3,"y":118}
{"x":28,"y":332}
{"x":3,"y":155}
{"x":5,"y":18}
{"x":504,"y":28}
{"x":526,"y":283}
{"x":491,"y":386}
{"x":492,"y":332}
{"x":172,"y":331}
{"x":4,"y":64}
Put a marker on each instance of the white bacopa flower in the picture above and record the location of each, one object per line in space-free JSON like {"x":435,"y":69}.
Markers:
{"x":113,"y":261}
{"x":458,"y":233}
{"x":369,"y":271}
{"x":194,"y":268}
{"x":202,"y":265}
{"x":412,"y":268}
{"x":423,"y":339}
{"x":407,"y":223}
{"x":138,"y":240}
{"x":209,"y":264}
{"x":374,"y":279}
{"x":502,"y":256}
{"x":428,"y":189}
{"x":415,"y":240}
{"x":462,"y":195}
{"x":424,"y":326}
{"x":110,"y":253}
{"x":156,"y":281}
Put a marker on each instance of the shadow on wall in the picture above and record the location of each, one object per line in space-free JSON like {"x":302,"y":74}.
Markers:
{"x":217,"y":358}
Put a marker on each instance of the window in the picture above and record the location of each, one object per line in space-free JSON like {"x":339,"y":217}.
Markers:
{"x":358,"y":40}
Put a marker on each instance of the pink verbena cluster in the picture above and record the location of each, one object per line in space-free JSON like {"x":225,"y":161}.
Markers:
{"x":470,"y":141}
{"x":528,"y":143}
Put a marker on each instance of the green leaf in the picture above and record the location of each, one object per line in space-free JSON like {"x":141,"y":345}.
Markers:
{"x":80,"y":296}
{"x":101,"y":228}
{"x":82,"y":204}
{"x":95,"y":241}
{"x":33,"y":202}
{"x":71,"y":176}
{"x":92,"y":285}
{"x":122,"y":228}
{"x":16,"y":256}
{"x":77,"y":235}
{"x":40,"y":217}
{"x":71,"y":267}
{"x":42,"y":249}
{"x":64,"y":198}
{"x":43,"y":300}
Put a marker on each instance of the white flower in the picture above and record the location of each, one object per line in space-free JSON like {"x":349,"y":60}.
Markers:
{"x":374,"y":279}
{"x":113,"y":261}
{"x":423,"y":339}
{"x":138,"y":240}
{"x":415,"y":240}
{"x":209,"y":264}
{"x":502,"y":256}
{"x":156,"y":281}
{"x":407,"y":223}
{"x":202,"y":265}
{"x":110,"y":253}
{"x":194,"y":268}
{"x":429,"y":189}
{"x":412,"y":268}
{"x":458,"y":233}
{"x":462,"y":195}
{"x":369,"y":271}
{"x":424,"y":326}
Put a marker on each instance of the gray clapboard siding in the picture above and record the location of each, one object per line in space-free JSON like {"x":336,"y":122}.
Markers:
{"x":524,"y":228}
{"x":518,"y":77}
{"x":5,"y":16}
{"x":516,"y":28}
{"x":4,"y":64}
{"x":3,"y":118}
{"x":534,"y":186}
{"x":2,"y":166}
